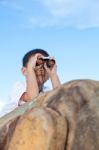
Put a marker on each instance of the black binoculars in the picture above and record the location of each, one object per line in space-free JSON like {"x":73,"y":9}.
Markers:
{"x":49,"y":62}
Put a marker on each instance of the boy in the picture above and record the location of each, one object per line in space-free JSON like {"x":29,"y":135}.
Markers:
{"x":37,"y":70}
{"x":37,"y":74}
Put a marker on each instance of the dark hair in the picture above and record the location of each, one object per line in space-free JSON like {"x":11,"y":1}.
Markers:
{"x":32,"y":52}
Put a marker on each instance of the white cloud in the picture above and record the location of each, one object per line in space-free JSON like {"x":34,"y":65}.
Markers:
{"x":62,"y":8}
{"x":62,"y":13}
{"x":2,"y":104}
{"x":82,"y":13}
{"x":11,"y":4}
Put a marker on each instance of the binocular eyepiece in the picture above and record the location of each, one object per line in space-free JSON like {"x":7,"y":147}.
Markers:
{"x":49,"y":62}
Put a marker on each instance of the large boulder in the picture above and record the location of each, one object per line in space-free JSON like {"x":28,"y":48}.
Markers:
{"x":66,"y":118}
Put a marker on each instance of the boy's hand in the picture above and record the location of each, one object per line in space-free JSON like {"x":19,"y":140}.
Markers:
{"x":51,"y":71}
{"x":33,"y":60}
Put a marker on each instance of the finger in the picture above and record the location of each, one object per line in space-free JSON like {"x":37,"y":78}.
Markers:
{"x":46,"y":68}
{"x":38,"y":55}
{"x":55,"y":66}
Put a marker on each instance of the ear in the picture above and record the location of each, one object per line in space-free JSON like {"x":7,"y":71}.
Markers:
{"x":23,"y":70}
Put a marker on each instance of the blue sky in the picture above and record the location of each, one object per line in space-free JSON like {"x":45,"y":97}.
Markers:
{"x":67,"y":29}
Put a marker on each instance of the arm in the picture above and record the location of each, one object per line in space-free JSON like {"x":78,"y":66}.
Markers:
{"x":53,"y":76}
{"x":32,"y":89}
{"x":55,"y":81}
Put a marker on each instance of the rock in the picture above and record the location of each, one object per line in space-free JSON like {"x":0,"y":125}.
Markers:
{"x":66,"y":118}
{"x":39,"y":129}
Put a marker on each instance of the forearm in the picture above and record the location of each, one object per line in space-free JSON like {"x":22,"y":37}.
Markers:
{"x":55,"y":81}
{"x":32,"y":89}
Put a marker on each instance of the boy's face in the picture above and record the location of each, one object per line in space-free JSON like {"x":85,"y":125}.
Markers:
{"x":40,"y":71}
{"x":41,"y":75}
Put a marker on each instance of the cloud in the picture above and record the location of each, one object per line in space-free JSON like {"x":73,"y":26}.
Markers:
{"x":81,"y":14}
{"x":58,"y":13}
{"x":2,"y":104}
{"x":12,"y":4}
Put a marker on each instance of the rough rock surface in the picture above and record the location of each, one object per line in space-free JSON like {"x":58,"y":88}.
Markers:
{"x":66,"y":118}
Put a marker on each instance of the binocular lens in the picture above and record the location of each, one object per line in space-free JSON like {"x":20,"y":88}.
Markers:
{"x":49,"y":62}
